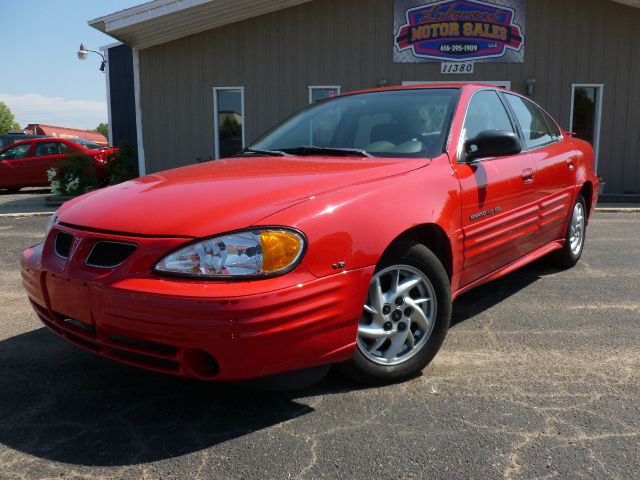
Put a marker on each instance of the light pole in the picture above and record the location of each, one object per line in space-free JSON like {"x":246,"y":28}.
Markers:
{"x":84,"y":52}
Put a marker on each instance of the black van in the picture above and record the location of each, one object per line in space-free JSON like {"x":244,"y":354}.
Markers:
{"x":9,"y":138}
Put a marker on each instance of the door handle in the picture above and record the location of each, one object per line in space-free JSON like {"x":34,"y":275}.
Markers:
{"x":527,"y":175}
{"x":570,"y":164}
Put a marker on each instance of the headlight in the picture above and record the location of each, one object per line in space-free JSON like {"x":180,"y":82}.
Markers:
{"x":52,"y":221}
{"x":249,"y":253}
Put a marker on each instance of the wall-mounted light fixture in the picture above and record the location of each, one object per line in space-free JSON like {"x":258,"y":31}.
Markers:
{"x":83,"y":53}
{"x":531,"y":86}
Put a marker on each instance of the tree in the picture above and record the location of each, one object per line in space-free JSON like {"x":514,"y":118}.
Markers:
{"x":7,"y":120}
{"x":103,"y":128}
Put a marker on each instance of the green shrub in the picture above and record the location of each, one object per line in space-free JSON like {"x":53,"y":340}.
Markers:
{"x":119,"y":167}
{"x":75,"y":176}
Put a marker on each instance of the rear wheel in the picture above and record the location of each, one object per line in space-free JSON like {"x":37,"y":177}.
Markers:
{"x":574,"y":240}
{"x":405,"y":317}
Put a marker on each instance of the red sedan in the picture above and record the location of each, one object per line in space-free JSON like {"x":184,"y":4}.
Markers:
{"x":25,"y":163}
{"x":341,"y":236}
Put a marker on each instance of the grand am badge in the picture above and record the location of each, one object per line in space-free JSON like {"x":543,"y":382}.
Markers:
{"x":486,"y":213}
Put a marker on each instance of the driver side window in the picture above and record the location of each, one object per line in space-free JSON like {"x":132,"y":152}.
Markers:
{"x":486,"y":112}
{"x":17,"y":152}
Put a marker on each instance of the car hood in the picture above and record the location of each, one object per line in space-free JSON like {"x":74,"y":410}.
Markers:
{"x":223,"y":195}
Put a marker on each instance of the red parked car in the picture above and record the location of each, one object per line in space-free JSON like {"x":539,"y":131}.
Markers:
{"x":25,"y":163}
{"x":341,"y":236}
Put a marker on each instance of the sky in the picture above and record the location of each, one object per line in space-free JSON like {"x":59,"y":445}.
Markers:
{"x":41,"y":78}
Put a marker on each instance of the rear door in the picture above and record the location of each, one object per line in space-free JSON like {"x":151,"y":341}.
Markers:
{"x":12,"y":174}
{"x":555,"y":165}
{"x":499,"y":211}
{"x":46,"y":155}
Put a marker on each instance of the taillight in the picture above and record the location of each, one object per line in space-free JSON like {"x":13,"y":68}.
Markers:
{"x":99,"y":158}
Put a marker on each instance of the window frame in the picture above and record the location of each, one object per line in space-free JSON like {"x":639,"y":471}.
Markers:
{"x":338,"y":88}
{"x":461,"y":140}
{"x":523,"y":140}
{"x":216,"y":119}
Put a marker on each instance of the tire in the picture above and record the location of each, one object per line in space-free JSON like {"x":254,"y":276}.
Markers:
{"x":382,"y":356}
{"x":576,"y":231}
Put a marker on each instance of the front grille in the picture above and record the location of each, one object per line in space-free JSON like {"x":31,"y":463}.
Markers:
{"x":63,"y":244}
{"x":109,"y":254}
{"x":144,"y":344}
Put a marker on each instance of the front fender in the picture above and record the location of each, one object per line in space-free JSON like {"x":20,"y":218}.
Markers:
{"x":351,"y":228}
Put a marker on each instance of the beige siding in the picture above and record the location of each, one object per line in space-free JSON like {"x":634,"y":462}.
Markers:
{"x":349,"y":43}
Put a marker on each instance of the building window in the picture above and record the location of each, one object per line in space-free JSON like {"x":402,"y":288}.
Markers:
{"x":228,"y":120}
{"x":586,"y":114}
{"x":320,"y":93}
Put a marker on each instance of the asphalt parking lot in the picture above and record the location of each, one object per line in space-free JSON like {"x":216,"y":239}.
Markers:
{"x":538,"y":378}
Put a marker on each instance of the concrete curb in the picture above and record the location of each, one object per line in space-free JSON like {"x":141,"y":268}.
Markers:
{"x":617,"y":210}
{"x":26,"y":214}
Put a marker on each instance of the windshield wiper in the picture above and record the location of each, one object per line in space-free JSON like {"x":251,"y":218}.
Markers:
{"x":256,"y":151}
{"x":334,"y":152}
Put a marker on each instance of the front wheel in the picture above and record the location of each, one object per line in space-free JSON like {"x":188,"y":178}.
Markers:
{"x":405,"y":317}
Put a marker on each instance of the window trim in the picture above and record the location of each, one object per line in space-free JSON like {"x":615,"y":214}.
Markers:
{"x":522,"y":138}
{"x":515,"y":126}
{"x":216,"y":117}
{"x":598,"y":123}
{"x":323,"y":87}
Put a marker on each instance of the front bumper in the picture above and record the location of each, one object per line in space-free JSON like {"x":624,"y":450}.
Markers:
{"x":207,"y":330}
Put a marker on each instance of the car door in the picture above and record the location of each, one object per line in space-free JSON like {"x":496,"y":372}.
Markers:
{"x":12,"y":172}
{"x":499,"y":210}
{"x":555,"y":167}
{"x":46,"y":155}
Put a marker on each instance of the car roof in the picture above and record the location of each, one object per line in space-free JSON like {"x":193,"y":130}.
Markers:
{"x":41,"y":139}
{"x":37,"y":140}
{"x":426,"y":86}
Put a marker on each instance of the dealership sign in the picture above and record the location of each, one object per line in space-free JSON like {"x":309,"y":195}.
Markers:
{"x":459,"y":31}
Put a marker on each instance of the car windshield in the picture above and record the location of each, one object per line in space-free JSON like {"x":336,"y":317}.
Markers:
{"x":86,"y":143}
{"x":393,"y":123}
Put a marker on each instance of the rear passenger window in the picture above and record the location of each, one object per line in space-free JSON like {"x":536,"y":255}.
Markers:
{"x":486,"y":112}
{"x":49,"y":148}
{"x":553,"y":126}
{"x":532,"y":122}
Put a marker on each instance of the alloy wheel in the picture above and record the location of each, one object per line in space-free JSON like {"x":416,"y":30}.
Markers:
{"x":576,"y":229}
{"x":398,"y":316}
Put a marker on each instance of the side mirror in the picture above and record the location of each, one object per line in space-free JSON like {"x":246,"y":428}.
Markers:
{"x":491,"y":143}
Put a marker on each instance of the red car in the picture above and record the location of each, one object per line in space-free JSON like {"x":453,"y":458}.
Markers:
{"x":25,"y":163}
{"x":341,"y":236}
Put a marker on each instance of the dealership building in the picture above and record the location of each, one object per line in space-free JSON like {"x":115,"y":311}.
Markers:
{"x":193,"y":80}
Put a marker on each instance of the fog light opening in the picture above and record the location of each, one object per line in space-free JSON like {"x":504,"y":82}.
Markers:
{"x":200,"y":363}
